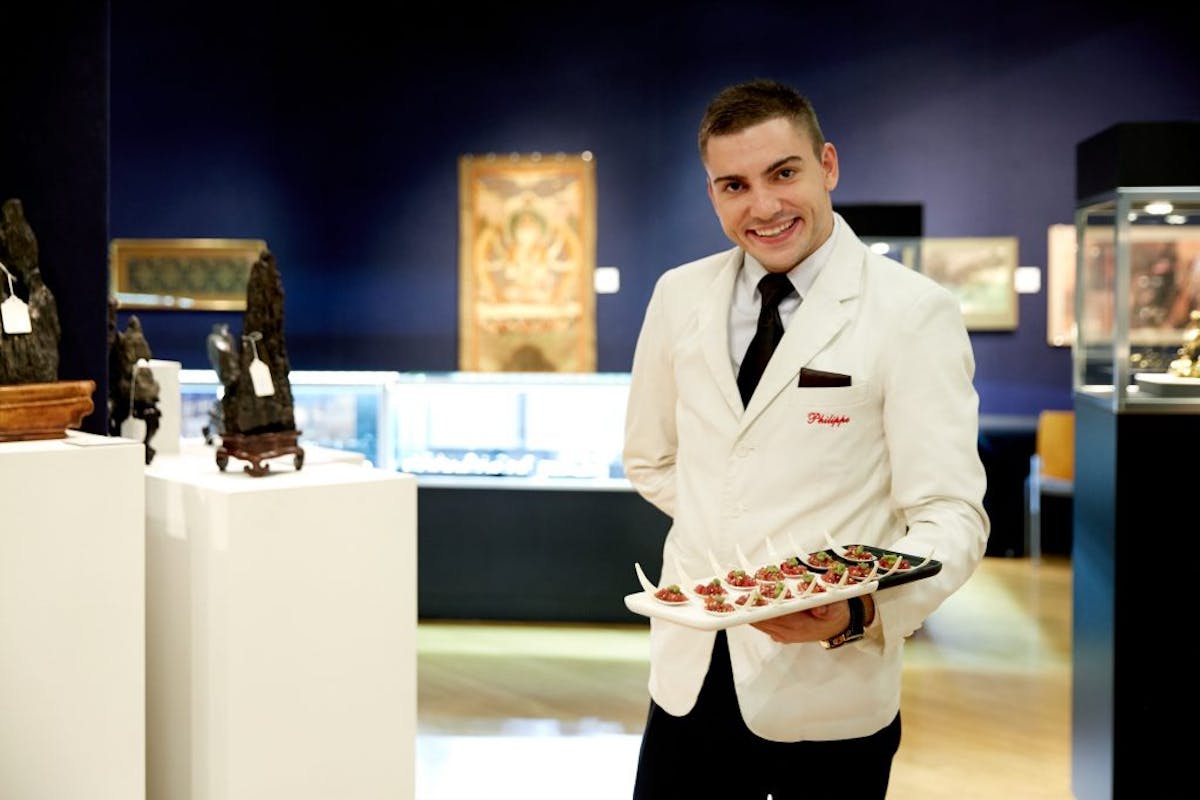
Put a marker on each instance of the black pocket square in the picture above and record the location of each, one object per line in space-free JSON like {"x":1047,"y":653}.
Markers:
{"x":819,"y":378}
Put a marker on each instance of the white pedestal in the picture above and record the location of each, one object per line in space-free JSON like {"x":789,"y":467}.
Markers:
{"x":72,"y":619}
{"x":281,"y":632}
{"x":170,"y":408}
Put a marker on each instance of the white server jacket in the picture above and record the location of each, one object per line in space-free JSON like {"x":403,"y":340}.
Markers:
{"x":891,"y":460}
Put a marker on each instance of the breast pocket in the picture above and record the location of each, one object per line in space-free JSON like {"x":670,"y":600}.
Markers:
{"x":840,"y":425}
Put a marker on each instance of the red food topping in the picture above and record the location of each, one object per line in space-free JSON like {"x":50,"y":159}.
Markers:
{"x":774,"y":590}
{"x":739,"y":577}
{"x":857,"y":552}
{"x":769,"y":572}
{"x":888,"y":561}
{"x":671,"y":594}
{"x":859,"y":572}
{"x":718,"y":605}
{"x":713,"y":588}
{"x":792,"y":567}
{"x":821,"y":559}
{"x":835,"y":573}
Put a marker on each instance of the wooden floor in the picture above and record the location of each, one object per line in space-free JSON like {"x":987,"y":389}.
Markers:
{"x":554,"y":712}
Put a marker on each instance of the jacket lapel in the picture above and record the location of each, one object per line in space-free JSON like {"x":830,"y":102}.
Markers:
{"x":713,"y":321}
{"x":820,"y":317}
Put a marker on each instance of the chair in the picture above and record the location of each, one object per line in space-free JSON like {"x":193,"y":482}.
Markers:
{"x":1051,"y":472}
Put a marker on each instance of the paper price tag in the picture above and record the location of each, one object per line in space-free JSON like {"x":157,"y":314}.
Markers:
{"x":14,"y":315}
{"x":260,"y":376}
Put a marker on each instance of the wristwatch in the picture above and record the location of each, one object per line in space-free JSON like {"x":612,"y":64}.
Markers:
{"x":854,"y":630}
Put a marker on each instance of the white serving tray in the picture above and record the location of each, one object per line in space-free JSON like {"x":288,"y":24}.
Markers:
{"x":694,"y":616}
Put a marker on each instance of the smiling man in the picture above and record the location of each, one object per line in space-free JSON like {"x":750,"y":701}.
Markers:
{"x":794,"y":387}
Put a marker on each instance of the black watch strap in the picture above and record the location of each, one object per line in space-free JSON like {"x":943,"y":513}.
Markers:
{"x":854,"y":630}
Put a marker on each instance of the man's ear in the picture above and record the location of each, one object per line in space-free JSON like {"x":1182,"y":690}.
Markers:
{"x":829,"y":165}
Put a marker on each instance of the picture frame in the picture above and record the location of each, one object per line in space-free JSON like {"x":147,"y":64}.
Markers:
{"x":980,"y":272}
{"x":527,"y":260}
{"x":198,"y":274}
{"x":1060,"y":285}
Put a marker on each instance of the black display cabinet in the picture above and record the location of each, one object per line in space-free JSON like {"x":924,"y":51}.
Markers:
{"x":1137,"y":415}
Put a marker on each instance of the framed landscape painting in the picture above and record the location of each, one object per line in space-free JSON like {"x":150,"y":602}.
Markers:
{"x":979,"y":271}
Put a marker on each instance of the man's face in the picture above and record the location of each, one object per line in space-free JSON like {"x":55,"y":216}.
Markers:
{"x":771,"y":192}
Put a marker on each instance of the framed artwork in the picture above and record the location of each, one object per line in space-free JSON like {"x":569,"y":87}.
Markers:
{"x":186,"y":274}
{"x":527,"y":260}
{"x":1164,"y":281}
{"x":979,"y":270}
{"x":1060,"y":285}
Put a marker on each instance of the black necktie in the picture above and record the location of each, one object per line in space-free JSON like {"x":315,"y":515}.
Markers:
{"x":773,"y":287}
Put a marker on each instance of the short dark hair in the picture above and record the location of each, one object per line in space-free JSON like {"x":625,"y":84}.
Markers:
{"x":745,"y":105}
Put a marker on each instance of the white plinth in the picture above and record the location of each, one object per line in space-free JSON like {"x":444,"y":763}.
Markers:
{"x":72,"y":620}
{"x":170,"y":408}
{"x":281,"y":632}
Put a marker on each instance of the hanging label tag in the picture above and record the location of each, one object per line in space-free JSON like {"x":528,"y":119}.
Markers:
{"x":14,"y":315}
{"x":260,"y":376}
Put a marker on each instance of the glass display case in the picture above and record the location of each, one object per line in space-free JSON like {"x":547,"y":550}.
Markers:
{"x":906,"y":250}
{"x":517,"y":430}
{"x":1137,"y":270}
{"x":341,"y":410}
{"x":530,"y":429}
{"x":889,"y":229}
{"x":1137,"y":286}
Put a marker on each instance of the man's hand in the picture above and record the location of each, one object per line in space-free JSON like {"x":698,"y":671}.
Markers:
{"x":814,"y":624}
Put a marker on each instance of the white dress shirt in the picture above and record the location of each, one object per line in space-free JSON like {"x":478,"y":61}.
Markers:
{"x":743,"y":311}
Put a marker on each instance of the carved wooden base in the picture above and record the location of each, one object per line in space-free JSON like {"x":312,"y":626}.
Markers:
{"x":43,"y":410}
{"x":257,"y":448}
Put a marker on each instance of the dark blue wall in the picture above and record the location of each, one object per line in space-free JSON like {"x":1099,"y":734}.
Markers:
{"x":335,"y":133}
{"x":54,"y":158}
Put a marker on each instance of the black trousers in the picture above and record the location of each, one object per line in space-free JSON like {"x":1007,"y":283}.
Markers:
{"x":711,"y":753}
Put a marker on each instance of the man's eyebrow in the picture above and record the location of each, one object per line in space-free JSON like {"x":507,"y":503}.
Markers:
{"x":770,"y":168}
{"x":780,"y":163}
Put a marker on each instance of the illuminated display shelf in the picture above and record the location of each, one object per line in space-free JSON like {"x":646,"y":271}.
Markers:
{"x":519,"y":430}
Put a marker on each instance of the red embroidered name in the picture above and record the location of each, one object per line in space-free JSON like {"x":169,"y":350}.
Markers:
{"x":836,"y":420}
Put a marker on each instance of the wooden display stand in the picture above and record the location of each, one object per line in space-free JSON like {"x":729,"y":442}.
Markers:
{"x":281,"y":632}
{"x":72,"y":619}
{"x":43,"y":410}
{"x":259,"y":447}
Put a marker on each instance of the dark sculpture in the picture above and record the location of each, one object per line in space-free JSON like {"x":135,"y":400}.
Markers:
{"x":257,"y":414}
{"x":132,"y":387}
{"x":31,"y":357}
{"x":34,"y":404}
{"x":222,"y":356}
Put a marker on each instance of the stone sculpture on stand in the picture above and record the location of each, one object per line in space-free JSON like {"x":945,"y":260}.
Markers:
{"x":257,"y":413}
{"x":34,"y":404}
{"x":133,"y":390}
{"x":32,"y":358}
{"x":222,"y":357}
